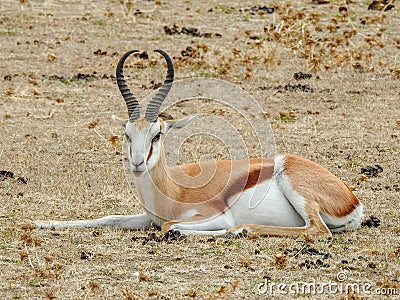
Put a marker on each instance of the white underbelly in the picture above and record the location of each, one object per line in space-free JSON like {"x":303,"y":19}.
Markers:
{"x":264,"y":204}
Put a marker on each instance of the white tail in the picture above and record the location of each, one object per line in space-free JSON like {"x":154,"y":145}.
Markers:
{"x":288,"y":196}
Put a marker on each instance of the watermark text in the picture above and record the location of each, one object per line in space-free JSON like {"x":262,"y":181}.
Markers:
{"x":340,"y":286}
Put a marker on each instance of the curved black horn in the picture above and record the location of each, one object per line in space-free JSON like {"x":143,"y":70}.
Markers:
{"x":154,"y":105}
{"x":130,"y":99}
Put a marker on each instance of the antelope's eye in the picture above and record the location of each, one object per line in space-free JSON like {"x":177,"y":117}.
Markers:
{"x":156,"y":138}
{"x":128,"y":138}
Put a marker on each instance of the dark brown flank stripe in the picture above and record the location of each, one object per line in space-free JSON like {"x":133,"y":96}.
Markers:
{"x":256,"y":176}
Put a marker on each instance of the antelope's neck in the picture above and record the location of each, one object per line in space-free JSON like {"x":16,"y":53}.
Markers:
{"x":157,"y":191}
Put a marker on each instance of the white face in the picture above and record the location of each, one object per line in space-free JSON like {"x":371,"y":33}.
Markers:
{"x":143,"y":144}
{"x":144,"y":141}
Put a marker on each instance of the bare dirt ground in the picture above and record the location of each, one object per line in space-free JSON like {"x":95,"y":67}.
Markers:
{"x":57,"y":93}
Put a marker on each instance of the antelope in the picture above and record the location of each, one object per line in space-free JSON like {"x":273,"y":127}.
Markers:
{"x":285,"y":196}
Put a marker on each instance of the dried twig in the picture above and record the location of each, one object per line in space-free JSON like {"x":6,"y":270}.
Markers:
{"x":28,"y":257}
{"x":102,"y":137}
{"x":386,"y":6}
{"x":50,"y":115}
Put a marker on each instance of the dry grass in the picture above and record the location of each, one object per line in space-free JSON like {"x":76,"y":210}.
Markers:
{"x":57,"y":93}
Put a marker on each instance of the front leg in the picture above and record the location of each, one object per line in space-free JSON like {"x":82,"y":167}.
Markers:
{"x":168,"y":226}
{"x":132,"y":222}
{"x":216,"y":225}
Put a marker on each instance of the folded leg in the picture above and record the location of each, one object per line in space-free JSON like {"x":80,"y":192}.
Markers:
{"x":315,"y":226}
{"x":217,"y":225}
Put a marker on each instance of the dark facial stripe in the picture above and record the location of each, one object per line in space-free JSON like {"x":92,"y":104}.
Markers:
{"x":150,"y":153}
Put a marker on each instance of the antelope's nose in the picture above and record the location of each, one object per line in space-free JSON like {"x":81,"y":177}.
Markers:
{"x":137,"y":159}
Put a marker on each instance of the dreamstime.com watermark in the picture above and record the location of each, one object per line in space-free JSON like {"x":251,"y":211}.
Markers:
{"x":342,"y":285}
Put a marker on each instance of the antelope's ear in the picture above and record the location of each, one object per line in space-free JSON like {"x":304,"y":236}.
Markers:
{"x":177,"y":124}
{"x":119,"y":121}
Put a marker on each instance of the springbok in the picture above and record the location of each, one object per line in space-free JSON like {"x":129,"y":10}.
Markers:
{"x":294,"y":196}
